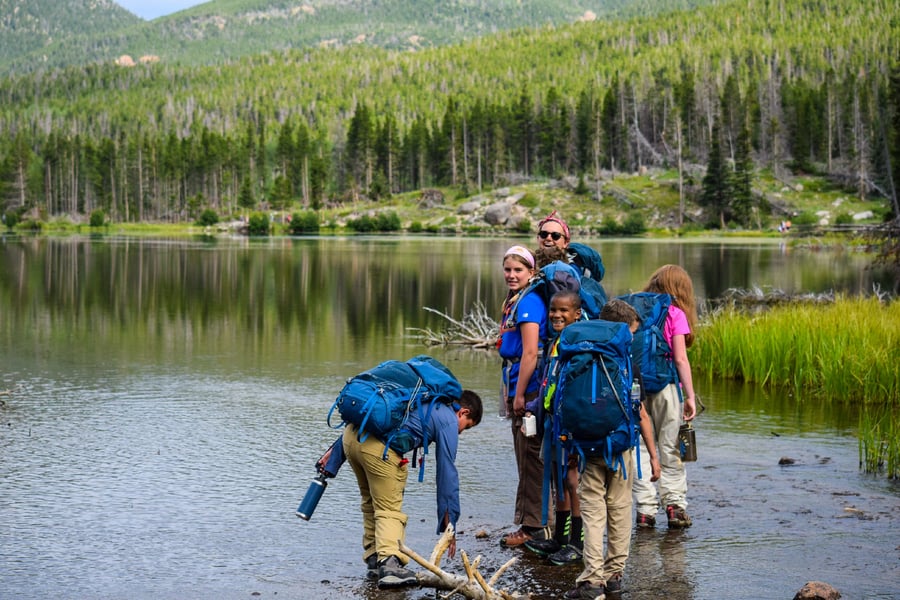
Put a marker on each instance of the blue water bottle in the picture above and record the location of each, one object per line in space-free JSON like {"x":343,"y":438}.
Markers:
{"x":313,"y":495}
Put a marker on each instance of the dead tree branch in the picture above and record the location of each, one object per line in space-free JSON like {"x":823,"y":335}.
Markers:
{"x":476,"y":329}
{"x":471,"y":585}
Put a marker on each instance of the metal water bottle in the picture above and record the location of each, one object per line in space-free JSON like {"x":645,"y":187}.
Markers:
{"x":687,"y":440}
{"x":311,"y":498}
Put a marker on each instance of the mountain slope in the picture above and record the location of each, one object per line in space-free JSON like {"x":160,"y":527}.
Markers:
{"x":31,"y":28}
{"x":225,"y":30}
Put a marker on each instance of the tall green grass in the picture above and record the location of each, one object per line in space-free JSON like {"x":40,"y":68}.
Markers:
{"x":848,"y":351}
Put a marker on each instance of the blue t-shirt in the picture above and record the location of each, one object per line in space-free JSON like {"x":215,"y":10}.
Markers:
{"x":530,"y":309}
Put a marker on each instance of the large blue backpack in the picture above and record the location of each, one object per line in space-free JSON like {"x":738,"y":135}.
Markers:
{"x":588,"y":261}
{"x":380,"y":400}
{"x":593,"y":412}
{"x":558,"y":276}
{"x":653,"y":353}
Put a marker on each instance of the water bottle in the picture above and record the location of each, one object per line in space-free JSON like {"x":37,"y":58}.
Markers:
{"x":635,"y":393}
{"x":313,"y":495}
{"x":687,"y":441}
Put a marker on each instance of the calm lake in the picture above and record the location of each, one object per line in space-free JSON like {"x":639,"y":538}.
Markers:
{"x":167,"y":400}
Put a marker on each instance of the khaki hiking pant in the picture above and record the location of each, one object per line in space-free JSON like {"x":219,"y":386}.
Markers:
{"x":665,"y":411}
{"x":381,"y":486}
{"x":605,"y":508}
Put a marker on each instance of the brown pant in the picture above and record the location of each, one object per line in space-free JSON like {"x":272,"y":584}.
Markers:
{"x":530,"y":466}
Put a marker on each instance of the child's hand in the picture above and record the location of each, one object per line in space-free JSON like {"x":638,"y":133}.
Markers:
{"x":655,"y":469}
{"x":519,"y":405}
{"x":690,"y":408}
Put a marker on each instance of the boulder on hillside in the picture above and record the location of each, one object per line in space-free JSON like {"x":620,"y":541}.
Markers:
{"x":431,"y":198}
{"x":497,"y":213}
{"x":467,"y":208}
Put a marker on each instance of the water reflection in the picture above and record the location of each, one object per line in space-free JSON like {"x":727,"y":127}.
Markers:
{"x":169,"y":400}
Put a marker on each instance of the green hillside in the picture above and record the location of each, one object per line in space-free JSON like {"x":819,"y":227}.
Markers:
{"x":715,"y":97}
{"x":34,"y":31}
{"x":222,"y":30}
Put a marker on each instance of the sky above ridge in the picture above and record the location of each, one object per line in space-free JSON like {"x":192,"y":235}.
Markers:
{"x":150,"y":9}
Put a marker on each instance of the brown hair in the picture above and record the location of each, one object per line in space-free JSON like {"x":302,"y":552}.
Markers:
{"x":472,"y":401}
{"x":619,"y":311}
{"x":675,"y":281}
{"x":543,"y":256}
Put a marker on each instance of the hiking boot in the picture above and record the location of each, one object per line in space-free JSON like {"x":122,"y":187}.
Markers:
{"x":678,"y":518}
{"x":645,"y":521}
{"x":372,"y":567}
{"x":392,"y":574}
{"x":543,"y":548}
{"x":516,"y":538}
{"x":524,"y":534}
{"x":567,"y":555}
{"x":614,"y":586}
{"x":586,"y":591}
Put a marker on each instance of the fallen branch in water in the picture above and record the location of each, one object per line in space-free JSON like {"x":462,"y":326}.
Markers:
{"x":476,"y":329}
{"x":472,"y":585}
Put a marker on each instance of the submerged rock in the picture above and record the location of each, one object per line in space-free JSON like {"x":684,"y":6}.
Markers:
{"x":816,"y":590}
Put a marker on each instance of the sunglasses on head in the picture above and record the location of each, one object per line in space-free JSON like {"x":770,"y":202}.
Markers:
{"x":553,"y":234}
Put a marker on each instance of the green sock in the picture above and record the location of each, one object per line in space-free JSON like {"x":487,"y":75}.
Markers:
{"x":563,"y":523}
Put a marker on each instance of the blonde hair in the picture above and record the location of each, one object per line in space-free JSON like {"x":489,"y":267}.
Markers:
{"x":675,"y":281}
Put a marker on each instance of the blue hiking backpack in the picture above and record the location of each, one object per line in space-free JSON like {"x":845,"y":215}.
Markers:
{"x":380,"y":400}
{"x":588,"y":260}
{"x":594,"y":413}
{"x":653,"y":353}
{"x":558,"y":276}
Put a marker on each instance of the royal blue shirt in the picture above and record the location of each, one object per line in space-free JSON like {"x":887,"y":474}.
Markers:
{"x":530,"y":309}
{"x":443,"y":432}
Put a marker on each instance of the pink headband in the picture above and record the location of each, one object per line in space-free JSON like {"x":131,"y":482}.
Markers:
{"x":523,"y":252}
{"x":554,"y":216}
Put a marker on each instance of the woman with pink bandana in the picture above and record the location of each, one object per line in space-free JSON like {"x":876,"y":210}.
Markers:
{"x":522,"y":327}
{"x":553,"y":232}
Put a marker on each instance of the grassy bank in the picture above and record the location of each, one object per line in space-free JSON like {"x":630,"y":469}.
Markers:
{"x":847,"y":351}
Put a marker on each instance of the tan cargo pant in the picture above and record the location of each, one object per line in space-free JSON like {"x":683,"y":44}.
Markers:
{"x":381,"y":486}
{"x":605,"y":508}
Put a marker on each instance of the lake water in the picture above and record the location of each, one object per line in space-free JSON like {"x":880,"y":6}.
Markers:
{"x":168,"y":399}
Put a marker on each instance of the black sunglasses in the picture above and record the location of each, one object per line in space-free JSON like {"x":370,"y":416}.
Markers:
{"x":554,"y":234}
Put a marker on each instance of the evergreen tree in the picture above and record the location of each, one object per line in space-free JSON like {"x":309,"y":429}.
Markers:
{"x":245,"y":198}
{"x":741,"y":180}
{"x":715,"y":192}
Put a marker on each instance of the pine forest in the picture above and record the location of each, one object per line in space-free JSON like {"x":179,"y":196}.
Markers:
{"x":717,"y":93}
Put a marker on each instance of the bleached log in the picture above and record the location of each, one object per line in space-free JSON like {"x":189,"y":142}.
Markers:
{"x":473,"y":585}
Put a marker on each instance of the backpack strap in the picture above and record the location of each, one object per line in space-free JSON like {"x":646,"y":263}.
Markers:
{"x":362,"y":435}
{"x":548,"y":451}
{"x":393,"y":434}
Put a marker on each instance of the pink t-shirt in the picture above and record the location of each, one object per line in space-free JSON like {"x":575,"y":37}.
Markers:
{"x":676,"y":324}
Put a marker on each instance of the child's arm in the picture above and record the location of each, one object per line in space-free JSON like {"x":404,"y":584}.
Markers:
{"x":649,"y":443}
{"x":683,"y":366}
